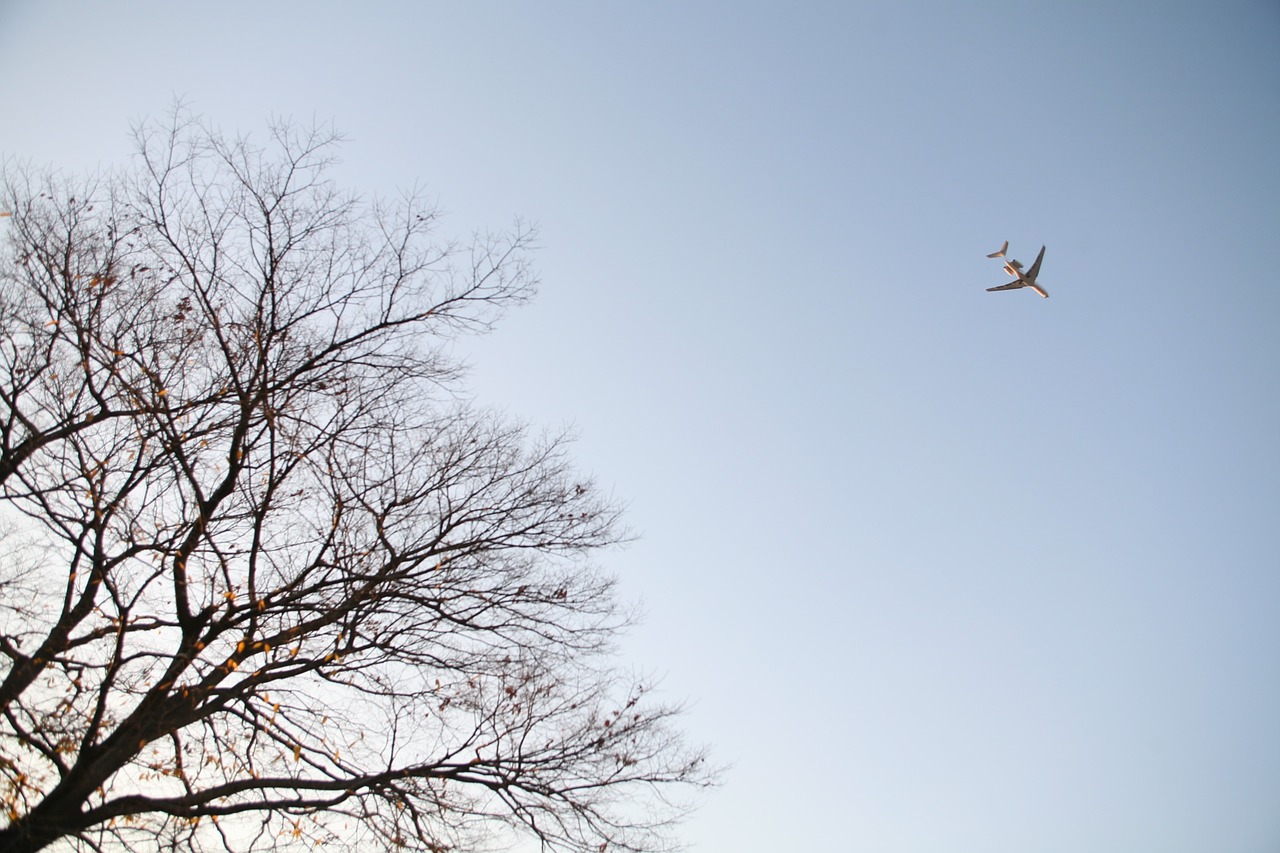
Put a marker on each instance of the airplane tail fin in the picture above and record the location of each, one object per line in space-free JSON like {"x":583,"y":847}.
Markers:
{"x":1000,"y":253}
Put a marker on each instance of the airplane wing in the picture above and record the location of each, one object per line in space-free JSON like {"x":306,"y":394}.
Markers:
{"x":1035,"y":268}
{"x":1013,"y":285}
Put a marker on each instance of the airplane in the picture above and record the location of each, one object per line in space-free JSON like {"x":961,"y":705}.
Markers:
{"x":1022,"y":278}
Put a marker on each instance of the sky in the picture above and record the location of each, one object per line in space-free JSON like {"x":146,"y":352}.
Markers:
{"x":933,"y":569}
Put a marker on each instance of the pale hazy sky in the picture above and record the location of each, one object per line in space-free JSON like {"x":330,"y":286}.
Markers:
{"x":936,"y":569}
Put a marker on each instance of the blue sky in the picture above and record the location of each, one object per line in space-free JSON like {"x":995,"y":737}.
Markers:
{"x":936,"y":569}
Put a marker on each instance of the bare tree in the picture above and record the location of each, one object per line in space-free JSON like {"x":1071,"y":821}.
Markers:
{"x":265,"y":579}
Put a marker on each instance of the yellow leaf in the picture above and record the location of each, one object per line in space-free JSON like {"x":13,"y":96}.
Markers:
{"x":297,"y":752}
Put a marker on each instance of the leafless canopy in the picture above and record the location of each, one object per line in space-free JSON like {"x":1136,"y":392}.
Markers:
{"x":264,"y":580}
